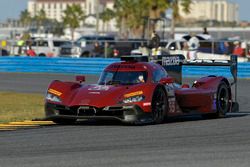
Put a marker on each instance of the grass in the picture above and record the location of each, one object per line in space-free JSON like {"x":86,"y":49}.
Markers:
{"x":20,"y":106}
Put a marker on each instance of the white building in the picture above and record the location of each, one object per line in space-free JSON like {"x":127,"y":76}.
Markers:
{"x":218,"y":10}
{"x":54,"y":8}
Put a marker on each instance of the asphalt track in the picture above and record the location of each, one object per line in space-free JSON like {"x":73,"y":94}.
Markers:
{"x":189,"y":141}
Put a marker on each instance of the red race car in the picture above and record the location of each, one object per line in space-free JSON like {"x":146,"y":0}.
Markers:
{"x":139,"y":91}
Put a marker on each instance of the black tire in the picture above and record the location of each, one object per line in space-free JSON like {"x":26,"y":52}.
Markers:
{"x":159,"y":105}
{"x":222,"y":100}
{"x":85,"y":54}
{"x":42,"y":55}
{"x":210,"y":116}
{"x":62,"y":121}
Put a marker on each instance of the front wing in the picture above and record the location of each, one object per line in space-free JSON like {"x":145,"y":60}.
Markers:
{"x":125,"y":113}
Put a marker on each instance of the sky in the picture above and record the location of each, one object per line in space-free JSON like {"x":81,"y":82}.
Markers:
{"x":13,"y":8}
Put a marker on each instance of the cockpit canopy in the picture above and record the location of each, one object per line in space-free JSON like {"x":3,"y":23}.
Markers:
{"x":123,"y":77}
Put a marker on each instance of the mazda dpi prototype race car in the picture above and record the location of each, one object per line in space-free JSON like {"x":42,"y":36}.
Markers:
{"x":140,"y":91}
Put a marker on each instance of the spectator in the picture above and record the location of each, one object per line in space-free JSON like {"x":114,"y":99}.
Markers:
{"x":108,"y":50}
{"x":3,"y":52}
{"x":205,"y":30}
{"x":20,"y":44}
{"x":30,"y":51}
{"x":97,"y":50}
{"x":238,"y":50}
{"x":155,"y":40}
{"x":193,"y":45}
{"x":116,"y":52}
{"x":224,"y":47}
{"x":185,"y":49}
{"x":144,"y":50}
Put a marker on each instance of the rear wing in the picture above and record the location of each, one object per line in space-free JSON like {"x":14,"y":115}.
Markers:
{"x":232,"y":63}
{"x":173,"y":64}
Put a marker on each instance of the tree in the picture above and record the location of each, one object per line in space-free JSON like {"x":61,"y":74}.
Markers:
{"x":58,"y":28}
{"x":174,"y":5}
{"x":73,"y":16}
{"x":40,"y":19}
{"x":157,"y":9}
{"x":106,"y":16}
{"x":122,"y":11}
{"x":131,"y":15}
{"x":25,"y":18}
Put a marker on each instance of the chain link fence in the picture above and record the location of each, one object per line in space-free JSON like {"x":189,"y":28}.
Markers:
{"x":117,"y":48}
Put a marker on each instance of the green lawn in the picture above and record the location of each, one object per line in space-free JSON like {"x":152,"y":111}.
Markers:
{"x":20,"y":106}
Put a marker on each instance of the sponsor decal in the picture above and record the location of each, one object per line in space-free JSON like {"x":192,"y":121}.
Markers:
{"x":133,"y":94}
{"x":171,"y":61}
{"x":172,"y":107}
{"x":55,"y":92}
{"x":123,"y":66}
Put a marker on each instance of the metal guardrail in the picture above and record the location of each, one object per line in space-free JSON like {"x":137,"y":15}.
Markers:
{"x":96,"y":65}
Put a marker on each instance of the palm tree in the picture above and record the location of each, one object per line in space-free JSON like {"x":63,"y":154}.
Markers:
{"x":40,"y":19}
{"x":158,"y":7}
{"x":25,"y":18}
{"x":123,"y":9}
{"x":106,"y":16}
{"x":131,"y":14}
{"x":175,"y":4}
{"x":73,"y":16}
{"x":57,"y":28}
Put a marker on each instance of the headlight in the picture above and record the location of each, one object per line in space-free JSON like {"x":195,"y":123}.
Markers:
{"x":53,"y":98}
{"x":133,"y":99}
{"x":76,"y":50}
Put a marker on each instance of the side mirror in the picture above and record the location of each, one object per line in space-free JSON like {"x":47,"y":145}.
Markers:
{"x":80,"y":79}
{"x":167,"y":80}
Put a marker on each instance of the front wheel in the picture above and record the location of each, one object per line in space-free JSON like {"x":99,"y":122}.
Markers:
{"x":159,"y":105}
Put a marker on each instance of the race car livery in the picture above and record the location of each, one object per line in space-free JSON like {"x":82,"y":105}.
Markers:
{"x":138,"y":90}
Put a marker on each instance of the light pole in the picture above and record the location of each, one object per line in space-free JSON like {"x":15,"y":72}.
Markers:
{"x":97,"y":4}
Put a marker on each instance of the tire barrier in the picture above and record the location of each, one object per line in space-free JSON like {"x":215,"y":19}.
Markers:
{"x":96,"y":65}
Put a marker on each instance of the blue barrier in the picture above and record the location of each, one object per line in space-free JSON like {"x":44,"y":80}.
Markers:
{"x":96,"y":65}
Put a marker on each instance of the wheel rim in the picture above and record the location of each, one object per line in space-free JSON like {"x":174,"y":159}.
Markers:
{"x":159,"y":106}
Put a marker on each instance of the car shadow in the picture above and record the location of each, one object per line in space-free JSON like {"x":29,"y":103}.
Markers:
{"x":200,"y":118}
{"x":177,"y":119}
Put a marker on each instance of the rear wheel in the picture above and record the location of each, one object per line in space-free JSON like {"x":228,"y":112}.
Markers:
{"x":222,"y":100}
{"x":159,"y":105}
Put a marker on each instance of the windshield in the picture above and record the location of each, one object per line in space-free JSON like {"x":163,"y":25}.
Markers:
{"x":60,"y":43}
{"x":122,"y":77}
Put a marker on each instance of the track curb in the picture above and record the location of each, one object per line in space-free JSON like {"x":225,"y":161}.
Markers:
{"x":11,"y":126}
